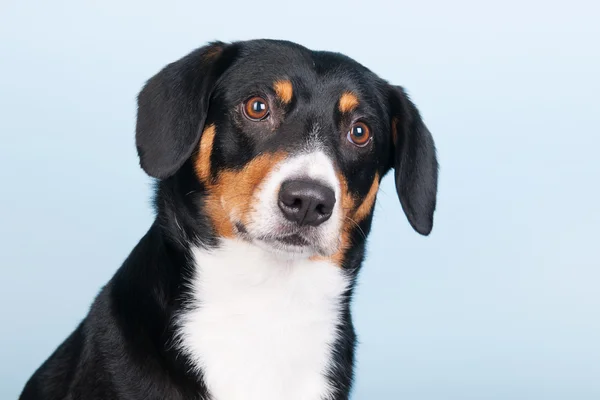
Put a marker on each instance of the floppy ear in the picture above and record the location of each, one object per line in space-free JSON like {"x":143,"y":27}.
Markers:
{"x":172,"y":108}
{"x":415,"y":162}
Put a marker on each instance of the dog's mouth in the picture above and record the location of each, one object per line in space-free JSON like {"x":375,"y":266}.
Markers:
{"x":293,"y":242}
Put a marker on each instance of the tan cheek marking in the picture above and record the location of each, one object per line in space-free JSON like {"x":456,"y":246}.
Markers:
{"x":348,"y":102}
{"x":347,"y":205}
{"x":367,"y":205}
{"x":202,"y":165}
{"x":351,"y":217}
{"x":284,"y":91}
{"x":233,"y":192}
{"x":218,"y":215}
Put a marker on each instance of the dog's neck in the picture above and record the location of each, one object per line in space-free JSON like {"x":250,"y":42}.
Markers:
{"x":265,"y":322}
{"x":278,"y":327}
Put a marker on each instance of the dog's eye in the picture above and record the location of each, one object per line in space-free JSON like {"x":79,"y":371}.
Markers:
{"x":359,"y":134}
{"x":256,"y":108}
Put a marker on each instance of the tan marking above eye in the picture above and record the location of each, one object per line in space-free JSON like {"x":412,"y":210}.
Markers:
{"x":348,"y":102}
{"x":284,"y":90}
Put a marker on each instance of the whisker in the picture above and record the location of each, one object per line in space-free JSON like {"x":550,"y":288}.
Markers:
{"x":358,"y":226}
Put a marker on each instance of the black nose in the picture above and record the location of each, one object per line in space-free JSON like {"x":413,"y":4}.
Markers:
{"x":306,"y":202}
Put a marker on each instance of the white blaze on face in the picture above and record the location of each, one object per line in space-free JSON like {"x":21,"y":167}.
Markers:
{"x":266,"y":219}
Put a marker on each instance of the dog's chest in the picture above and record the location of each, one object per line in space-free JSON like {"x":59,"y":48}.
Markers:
{"x":262,"y":328}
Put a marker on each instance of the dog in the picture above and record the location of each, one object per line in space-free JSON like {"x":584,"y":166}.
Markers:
{"x":267,"y":159}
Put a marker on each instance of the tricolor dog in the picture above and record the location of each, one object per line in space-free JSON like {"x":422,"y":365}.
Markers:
{"x":267,"y":158}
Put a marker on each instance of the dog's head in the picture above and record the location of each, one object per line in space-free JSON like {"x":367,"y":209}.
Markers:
{"x":288,"y":145}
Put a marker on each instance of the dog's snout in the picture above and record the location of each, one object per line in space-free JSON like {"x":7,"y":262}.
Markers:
{"x":306,"y":202}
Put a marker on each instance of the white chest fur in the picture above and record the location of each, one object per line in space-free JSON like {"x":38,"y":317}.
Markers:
{"x":259,"y":327}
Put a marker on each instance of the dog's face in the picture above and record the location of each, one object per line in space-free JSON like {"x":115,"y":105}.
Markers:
{"x":289,"y":145}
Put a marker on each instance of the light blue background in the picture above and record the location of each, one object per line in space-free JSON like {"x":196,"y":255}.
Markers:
{"x":502,"y":301}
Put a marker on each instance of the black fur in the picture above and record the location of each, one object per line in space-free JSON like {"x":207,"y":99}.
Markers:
{"x":123,"y":349}
{"x":416,"y":166}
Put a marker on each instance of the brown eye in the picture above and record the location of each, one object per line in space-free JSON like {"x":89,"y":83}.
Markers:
{"x":256,"y":108}
{"x":359,"y":134}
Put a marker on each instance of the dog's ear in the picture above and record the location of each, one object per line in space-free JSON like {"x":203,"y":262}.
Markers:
{"x":172,"y":108}
{"x":415,"y":162}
